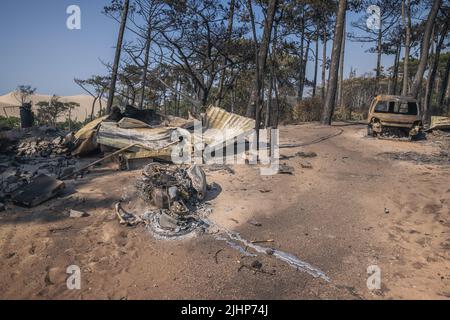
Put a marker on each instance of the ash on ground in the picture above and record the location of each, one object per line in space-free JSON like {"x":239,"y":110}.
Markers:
{"x":440,"y":139}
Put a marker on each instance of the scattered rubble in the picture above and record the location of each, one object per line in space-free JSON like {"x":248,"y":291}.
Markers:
{"x":39,"y":190}
{"x":257,"y":265}
{"x":32,"y":153}
{"x":42,"y":148}
{"x":439,"y":138}
{"x":285,"y":169}
{"x":393,"y":133}
{"x":77,"y":214}
{"x":441,"y":158}
{"x":306,"y":165}
{"x":219,"y":167}
{"x":177,"y":195}
{"x":301,"y":154}
{"x":132,"y":138}
{"x":306,"y":154}
{"x":127,"y":218}
{"x":255,"y":223}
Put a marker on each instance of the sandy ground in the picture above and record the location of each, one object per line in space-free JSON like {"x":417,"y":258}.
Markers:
{"x":352,"y":209}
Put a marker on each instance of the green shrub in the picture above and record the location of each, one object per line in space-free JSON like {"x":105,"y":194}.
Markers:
{"x":76,"y":125}
{"x":9,"y":123}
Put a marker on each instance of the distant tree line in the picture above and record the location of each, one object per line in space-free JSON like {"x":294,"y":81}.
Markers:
{"x":251,"y":57}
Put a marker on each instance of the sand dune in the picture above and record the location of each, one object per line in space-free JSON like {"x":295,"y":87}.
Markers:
{"x":9,"y":106}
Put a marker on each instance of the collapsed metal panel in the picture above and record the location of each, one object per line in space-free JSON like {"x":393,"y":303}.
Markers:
{"x":219,"y":128}
{"x":217,"y":121}
{"x":110,"y":134}
{"x":440,"y":123}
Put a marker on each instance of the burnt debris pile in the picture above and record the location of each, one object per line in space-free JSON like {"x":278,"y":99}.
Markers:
{"x":178,"y":195}
{"x":32,"y":154}
{"x":43,"y":147}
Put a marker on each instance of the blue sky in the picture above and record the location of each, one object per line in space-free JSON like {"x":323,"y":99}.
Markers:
{"x":42,"y":52}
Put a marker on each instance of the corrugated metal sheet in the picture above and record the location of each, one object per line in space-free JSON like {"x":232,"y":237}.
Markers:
{"x":110,"y":134}
{"x":218,"y":121}
{"x":440,"y":123}
{"x":158,"y":140}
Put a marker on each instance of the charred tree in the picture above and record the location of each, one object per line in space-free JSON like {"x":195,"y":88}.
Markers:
{"x":406,"y":10}
{"x":324,"y":61}
{"x":316,"y":62}
{"x":432,"y":74}
{"x":425,"y":49}
{"x":444,"y":84}
{"x":254,"y":108}
{"x":330,"y":100}
{"x":115,"y":70}
{"x":220,"y":94}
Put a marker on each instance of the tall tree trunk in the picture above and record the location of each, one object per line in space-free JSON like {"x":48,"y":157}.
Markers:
{"x":233,"y":100}
{"x":254,"y":94}
{"x":269,"y":110}
{"x":115,"y":70}
{"x":432,"y":75}
{"x":406,"y":11}
{"x":148,"y":42}
{"x":378,"y":72}
{"x":165,"y":100}
{"x":316,"y":62}
{"x":133,"y":97}
{"x":100,"y":98}
{"x":447,"y":94}
{"x":70,"y":119}
{"x":444,"y":84}
{"x":254,"y":108}
{"x":394,"y":82}
{"x":93,"y":108}
{"x":330,"y":100}
{"x":303,"y":71}
{"x":180,"y":97}
{"x":220,"y":94}
{"x":177,"y":104}
{"x":301,"y":68}
{"x":425,"y":49}
{"x":341,"y":70}
{"x":277,"y":100}
{"x":270,"y":98}
{"x":205,"y":95}
{"x":324,"y":62}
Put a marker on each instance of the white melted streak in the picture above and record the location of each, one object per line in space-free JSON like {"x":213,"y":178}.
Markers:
{"x":286,"y":257}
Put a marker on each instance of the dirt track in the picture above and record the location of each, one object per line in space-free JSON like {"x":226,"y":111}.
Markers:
{"x":354,"y":208}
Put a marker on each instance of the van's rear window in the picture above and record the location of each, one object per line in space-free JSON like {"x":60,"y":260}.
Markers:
{"x":406,"y":108}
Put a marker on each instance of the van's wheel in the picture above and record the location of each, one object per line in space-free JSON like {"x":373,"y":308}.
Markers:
{"x":370,"y":131}
{"x":419,"y":136}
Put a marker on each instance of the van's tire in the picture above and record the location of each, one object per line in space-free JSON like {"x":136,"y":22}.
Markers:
{"x":418,"y":137}
{"x":370,"y":131}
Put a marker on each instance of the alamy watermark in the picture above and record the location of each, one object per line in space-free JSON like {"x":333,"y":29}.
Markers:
{"x":73,"y":22}
{"x":374,"y":20}
{"x":374,"y":279}
{"x":227,"y":147}
{"x":73,"y":282}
